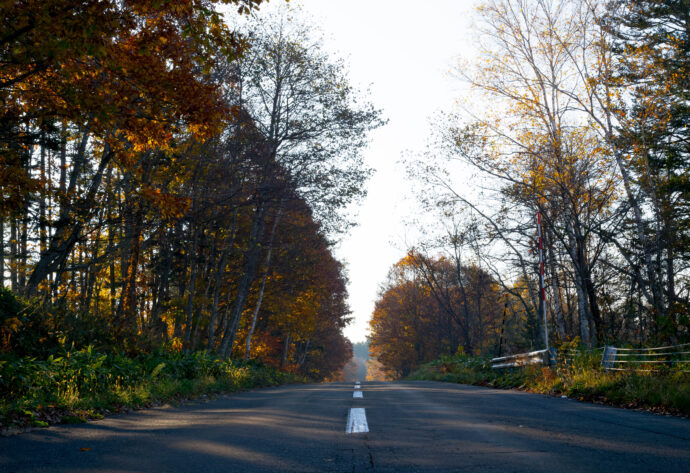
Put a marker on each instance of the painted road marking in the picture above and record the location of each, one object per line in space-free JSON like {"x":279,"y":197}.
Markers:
{"x":357,"y":394}
{"x":357,"y":386}
{"x":357,"y":421}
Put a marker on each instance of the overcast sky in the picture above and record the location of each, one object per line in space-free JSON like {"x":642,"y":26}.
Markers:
{"x":402,"y":50}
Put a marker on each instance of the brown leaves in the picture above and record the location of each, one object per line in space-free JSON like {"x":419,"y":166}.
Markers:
{"x":132,"y":69}
{"x":169,"y":205}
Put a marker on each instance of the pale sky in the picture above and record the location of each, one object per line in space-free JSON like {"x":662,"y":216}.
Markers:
{"x":402,"y":50}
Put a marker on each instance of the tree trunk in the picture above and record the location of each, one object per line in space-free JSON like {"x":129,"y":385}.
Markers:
{"x":192,"y":283}
{"x":160,"y":300}
{"x":43,"y":235}
{"x":286,"y":351}
{"x":67,"y":232}
{"x":24,"y":249}
{"x":2,"y":253}
{"x":248,"y":272}
{"x":93,"y":267}
{"x":582,"y":306}
{"x":63,"y":160}
{"x":255,"y":317}
{"x":303,"y":356}
{"x":267,"y":265}
{"x":651,"y":280}
{"x":196,"y":321}
{"x":220,"y":271}
{"x":555,"y":288}
{"x":13,"y":253}
{"x":128,"y":297}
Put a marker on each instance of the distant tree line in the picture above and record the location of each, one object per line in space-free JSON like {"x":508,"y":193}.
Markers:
{"x":430,"y":307}
{"x":356,"y":369}
{"x":178,"y":181}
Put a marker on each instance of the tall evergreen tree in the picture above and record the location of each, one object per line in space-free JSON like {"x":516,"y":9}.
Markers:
{"x":653,"y":46}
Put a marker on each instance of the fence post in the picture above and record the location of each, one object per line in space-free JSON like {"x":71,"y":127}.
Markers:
{"x":609,"y":357}
{"x":552,"y":357}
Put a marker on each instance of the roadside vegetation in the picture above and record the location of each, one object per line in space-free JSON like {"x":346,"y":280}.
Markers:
{"x":581,"y":378}
{"x":60,"y":368}
{"x":86,"y":384}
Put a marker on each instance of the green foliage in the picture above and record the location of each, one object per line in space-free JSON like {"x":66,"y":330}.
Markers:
{"x":81,"y":330}
{"x":51,"y":372}
{"x":10,"y":306}
{"x":33,"y":329}
{"x":23,"y":328}
{"x":581,"y":378}
{"x":81,"y":383}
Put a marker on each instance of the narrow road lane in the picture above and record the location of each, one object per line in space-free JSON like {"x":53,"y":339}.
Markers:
{"x":414,"y":426}
{"x":445,"y":427}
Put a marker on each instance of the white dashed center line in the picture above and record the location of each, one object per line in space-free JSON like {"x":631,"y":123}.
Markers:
{"x":357,"y":395}
{"x":357,"y":421}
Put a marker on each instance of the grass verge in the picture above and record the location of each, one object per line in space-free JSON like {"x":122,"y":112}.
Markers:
{"x":582,"y":378}
{"x":86,"y":385}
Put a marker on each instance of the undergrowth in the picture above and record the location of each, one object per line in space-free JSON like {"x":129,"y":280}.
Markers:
{"x":61,"y":366}
{"x":581,"y":378}
{"x":86,"y":384}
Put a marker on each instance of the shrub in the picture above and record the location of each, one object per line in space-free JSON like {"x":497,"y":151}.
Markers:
{"x":23,"y":329}
{"x":86,"y":380}
{"x":579,"y":376}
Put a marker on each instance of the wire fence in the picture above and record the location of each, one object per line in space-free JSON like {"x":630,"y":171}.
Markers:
{"x":654,"y":359}
{"x":647,"y":359}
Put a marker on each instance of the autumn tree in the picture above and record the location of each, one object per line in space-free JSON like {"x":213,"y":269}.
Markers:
{"x":429,"y":307}
{"x":312,"y":128}
{"x":299,"y":309}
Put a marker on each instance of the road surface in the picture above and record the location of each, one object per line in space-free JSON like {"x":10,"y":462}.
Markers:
{"x":412,"y":427}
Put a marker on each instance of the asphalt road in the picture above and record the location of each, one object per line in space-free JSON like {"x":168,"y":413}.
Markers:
{"x":413,"y":426}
